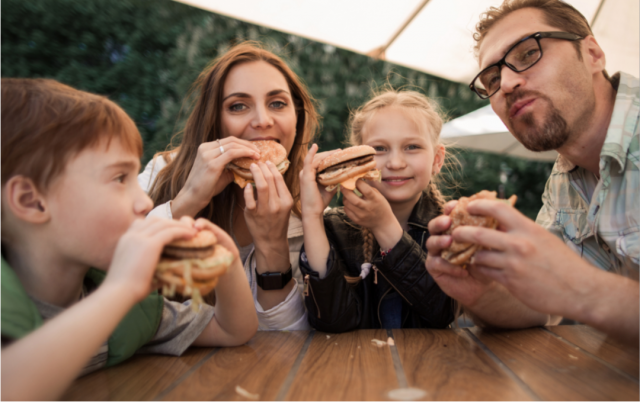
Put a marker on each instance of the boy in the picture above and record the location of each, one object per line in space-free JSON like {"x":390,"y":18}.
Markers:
{"x":70,"y":202}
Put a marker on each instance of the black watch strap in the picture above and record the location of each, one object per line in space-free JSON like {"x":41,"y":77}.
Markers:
{"x":274,"y":280}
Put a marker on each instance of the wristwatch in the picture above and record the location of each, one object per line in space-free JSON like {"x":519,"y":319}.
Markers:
{"x":274,"y":280}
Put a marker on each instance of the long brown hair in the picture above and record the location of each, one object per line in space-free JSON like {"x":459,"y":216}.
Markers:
{"x":204,"y":125}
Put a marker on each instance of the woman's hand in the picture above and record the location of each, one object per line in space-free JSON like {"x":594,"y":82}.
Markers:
{"x":208,"y":176}
{"x":267,"y":216}
{"x":138,"y":252}
{"x":313,"y":196}
{"x":373,"y":212}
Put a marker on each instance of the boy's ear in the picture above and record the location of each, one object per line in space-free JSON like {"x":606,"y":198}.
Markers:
{"x":438,"y":158}
{"x":25,"y":201}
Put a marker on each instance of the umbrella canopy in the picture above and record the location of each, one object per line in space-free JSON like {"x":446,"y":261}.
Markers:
{"x":482,"y":130}
{"x":433,"y":36}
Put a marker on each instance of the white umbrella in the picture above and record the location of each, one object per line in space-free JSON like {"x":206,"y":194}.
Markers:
{"x":482,"y":130}
{"x":434,"y":36}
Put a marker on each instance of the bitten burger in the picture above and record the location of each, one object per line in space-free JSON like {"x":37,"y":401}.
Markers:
{"x":461,"y":253}
{"x":345,"y":167}
{"x":269,"y":151}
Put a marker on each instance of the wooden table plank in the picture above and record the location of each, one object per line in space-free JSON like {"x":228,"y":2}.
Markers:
{"x":597,"y":343}
{"x":143,"y":377}
{"x":553,"y":369}
{"x":259,"y":367}
{"x":449,"y":365}
{"x":345,"y":367}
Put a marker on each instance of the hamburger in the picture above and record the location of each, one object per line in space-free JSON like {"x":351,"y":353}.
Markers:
{"x":192,"y":267}
{"x":269,"y":151}
{"x":461,"y":253}
{"x":345,"y":167}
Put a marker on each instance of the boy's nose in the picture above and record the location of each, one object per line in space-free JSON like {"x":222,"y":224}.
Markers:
{"x":143,"y":204}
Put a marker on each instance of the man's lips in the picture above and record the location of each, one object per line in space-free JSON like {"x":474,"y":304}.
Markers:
{"x":519,"y":106}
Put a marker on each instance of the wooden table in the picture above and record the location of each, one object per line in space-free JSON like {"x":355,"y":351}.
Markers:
{"x":552,"y":363}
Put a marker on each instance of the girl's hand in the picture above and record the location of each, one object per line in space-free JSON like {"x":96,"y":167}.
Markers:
{"x":373,"y":212}
{"x":313,"y":196}
{"x":138,"y":252}
{"x":267,"y":216}
{"x":208,"y":176}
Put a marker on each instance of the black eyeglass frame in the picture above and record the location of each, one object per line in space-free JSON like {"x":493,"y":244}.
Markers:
{"x":503,"y":62}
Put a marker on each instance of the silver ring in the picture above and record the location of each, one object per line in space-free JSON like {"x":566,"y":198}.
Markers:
{"x":221,"y":148}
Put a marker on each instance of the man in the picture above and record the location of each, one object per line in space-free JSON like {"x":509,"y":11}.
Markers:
{"x":544,"y":74}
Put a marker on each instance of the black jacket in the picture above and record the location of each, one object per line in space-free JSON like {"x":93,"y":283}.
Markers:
{"x":341,"y":302}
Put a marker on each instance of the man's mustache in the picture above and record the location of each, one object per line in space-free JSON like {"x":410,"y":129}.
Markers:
{"x":517,"y":95}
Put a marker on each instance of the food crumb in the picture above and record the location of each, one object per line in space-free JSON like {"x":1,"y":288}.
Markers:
{"x":358,"y":346}
{"x":328,"y":336}
{"x":391,"y":342}
{"x":336,"y":343}
{"x":243,"y":392}
{"x":378,"y":343}
{"x":573,"y":357}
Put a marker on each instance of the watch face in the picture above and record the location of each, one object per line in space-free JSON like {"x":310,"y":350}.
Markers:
{"x":273,"y":280}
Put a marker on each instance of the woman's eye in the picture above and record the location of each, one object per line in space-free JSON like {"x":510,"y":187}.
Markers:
{"x":237,"y":107}
{"x":278,"y":104}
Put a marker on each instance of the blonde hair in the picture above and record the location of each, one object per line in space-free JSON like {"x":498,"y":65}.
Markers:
{"x":427,"y":115}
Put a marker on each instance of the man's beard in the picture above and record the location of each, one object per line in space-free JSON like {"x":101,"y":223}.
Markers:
{"x":552,"y":134}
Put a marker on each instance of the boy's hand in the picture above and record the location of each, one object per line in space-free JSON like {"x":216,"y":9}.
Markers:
{"x":138,"y":252}
{"x":314,"y":198}
{"x":373,"y":212}
{"x":223,"y":237}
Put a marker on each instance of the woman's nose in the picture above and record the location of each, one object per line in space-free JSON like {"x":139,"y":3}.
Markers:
{"x":262,"y":118}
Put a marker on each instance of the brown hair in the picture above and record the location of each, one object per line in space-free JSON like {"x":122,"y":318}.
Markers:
{"x":46,"y":123}
{"x":204,"y":125}
{"x":426,"y":114}
{"x":556,"y":13}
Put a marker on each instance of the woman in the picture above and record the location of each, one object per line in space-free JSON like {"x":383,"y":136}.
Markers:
{"x":247,"y":94}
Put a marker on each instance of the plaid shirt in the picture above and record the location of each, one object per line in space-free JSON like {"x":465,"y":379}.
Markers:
{"x":602,"y":228}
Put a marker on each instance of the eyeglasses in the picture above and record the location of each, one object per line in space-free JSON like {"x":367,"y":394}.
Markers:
{"x":520,"y":57}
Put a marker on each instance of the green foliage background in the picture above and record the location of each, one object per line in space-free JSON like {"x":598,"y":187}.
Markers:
{"x":145,"y":54}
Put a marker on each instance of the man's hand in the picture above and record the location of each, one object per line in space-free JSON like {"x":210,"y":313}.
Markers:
{"x":533,"y":264}
{"x":467,"y":286}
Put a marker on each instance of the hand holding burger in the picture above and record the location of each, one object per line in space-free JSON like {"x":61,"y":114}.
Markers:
{"x":461,"y":253}
{"x":192,"y":267}
{"x":269,"y":151}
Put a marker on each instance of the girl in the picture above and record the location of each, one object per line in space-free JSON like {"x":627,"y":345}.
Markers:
{"x":247,"y":94}
{"x":384,"y":231}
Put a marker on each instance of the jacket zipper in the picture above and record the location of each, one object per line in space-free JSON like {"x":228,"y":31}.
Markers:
{"x":308,"y":287}
{"x":375,"y":280}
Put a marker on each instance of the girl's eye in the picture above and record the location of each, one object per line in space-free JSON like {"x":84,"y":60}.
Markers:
{"x":237,"y":107}
{"x":379,"y":148}
{"x":278,"y":104}
{"x":121,"y":178}
{"x":413,"y":147}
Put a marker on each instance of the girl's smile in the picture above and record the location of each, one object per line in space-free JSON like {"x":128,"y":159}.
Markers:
{"x":396,"y":180}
